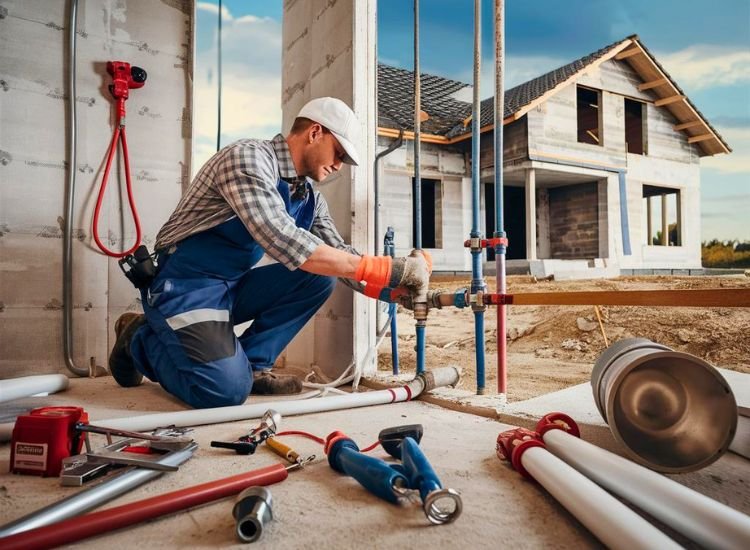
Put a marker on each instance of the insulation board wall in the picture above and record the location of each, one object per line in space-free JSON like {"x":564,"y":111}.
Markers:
{"x":34,"y":61}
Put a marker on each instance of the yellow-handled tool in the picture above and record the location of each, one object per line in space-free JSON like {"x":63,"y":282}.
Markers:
{"x":284,"y":451}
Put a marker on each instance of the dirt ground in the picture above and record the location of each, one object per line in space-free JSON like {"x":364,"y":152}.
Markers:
{"x":553,"y":347}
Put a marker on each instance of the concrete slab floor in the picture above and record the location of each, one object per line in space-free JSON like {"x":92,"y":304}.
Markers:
{"x":318,"y":507}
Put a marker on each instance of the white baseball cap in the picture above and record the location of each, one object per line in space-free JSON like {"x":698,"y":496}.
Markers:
{"x":339,"y":119}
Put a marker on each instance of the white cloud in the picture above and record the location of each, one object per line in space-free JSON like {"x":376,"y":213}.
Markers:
{"x":251,"y":84}
{"x":703,"y":66}
{"x":214,"y":8}
{"x":736,"y":162}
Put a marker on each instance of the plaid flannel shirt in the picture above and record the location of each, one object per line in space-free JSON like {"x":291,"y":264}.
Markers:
{"x":241,"y":180}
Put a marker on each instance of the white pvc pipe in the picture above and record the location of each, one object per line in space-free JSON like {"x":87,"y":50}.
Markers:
{"x":702,"y":519}
{"x":445,"y":376}
{"x":613,"y":523}
{"x":17,"y":388}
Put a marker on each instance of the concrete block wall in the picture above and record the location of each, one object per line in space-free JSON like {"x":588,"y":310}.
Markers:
{"x":446,"y":165}
{"x":574,"y":228}
{"x":33,"y":166}
{"x":328,"y":49}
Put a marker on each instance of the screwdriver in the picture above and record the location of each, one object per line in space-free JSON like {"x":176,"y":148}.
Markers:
{"x":284,"y":451}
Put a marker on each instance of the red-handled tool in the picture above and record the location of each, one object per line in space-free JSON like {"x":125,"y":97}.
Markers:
{"x":88,"y":525}
{"x":124,"y":77}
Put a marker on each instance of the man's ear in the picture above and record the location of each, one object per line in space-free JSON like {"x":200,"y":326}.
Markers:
{"x":315,"y":132}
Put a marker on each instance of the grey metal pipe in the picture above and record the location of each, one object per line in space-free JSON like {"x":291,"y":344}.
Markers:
{"x":417,"y":134}
{"x":69,"y":196}
{"x":92,"y":497}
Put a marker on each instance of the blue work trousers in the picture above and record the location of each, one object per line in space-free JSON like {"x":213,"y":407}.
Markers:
{"x":189,"y":345}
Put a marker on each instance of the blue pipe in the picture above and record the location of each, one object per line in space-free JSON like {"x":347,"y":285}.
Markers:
{"x":477,"y":281}
{"x":420,"y":348}
{"x":389,"y":248}
{"x":394,"y":337}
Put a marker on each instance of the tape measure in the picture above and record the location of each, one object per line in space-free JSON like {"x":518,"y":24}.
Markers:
{"x":43,"y":437}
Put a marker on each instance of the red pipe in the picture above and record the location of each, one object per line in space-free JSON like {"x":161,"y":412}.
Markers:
{"x":88,"y":525}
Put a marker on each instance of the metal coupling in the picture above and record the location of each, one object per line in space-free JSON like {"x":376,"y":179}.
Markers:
{"x":477,"y":301}
{"x":420,"y":312}
{"x":252,"y":512}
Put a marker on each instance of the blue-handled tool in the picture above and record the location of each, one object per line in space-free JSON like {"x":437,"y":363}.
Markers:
{"x":377,"y":476}
{"x":402,"y":442}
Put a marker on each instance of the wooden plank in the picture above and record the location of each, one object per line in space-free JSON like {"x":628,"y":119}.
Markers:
{"x":720,"y":297}
{"x":702,"y":137}
{"x":686,"y":125}
{"x":652,"y":84}
{"x":628,"y":53}
{"x":668,"y":100}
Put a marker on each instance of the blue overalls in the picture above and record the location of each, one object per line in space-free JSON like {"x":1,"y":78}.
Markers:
{"x":208,"y":285}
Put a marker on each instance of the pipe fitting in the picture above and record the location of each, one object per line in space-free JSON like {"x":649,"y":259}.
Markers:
{"x":252,"y":512}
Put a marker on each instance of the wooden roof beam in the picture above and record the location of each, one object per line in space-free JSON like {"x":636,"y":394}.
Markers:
{"x":652,"y":84}
{"x":667,"y":100}
{"x":628,"y":53}
{"x":702,"y":137}
{"x":686,"y":125}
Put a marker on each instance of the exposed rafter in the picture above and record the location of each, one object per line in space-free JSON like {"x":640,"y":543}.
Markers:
{"x":668,"y":100}
{"x":652,"y":84}
{"x":628,"y":53}
{"x":686,"y":125}
{"x":702,"y":137}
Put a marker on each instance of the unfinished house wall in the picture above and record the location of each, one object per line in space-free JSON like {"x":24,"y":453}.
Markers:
{"x":669,"y":161}
{"x":328,"y":49}
{"x":574,"y":228}
{"x":33,"y":101}
{"x":448,"y":166}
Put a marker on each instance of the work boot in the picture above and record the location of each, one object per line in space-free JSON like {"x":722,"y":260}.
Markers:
{"x":120,"y":360}
{"x":266,"y":382}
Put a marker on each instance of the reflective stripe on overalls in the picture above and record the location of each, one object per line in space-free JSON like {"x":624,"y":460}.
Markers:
{"x":188,"y":344}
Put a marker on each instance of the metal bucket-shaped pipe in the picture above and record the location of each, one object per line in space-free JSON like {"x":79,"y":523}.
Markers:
{"x":672,"y":411}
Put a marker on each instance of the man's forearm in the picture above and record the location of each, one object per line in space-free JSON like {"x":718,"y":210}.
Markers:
{"x":326,"y":260}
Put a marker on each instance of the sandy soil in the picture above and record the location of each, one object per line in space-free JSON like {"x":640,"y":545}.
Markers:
{"x":553,"y":347}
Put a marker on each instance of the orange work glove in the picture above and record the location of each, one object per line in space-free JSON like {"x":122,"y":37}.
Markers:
{"x":412,"y":271}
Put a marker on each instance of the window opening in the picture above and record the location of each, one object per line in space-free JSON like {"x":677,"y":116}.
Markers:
{"x":635,"y":127}
{"x":589,"y":116}
{"x":662,"y":216}
{"x":431,"y":213}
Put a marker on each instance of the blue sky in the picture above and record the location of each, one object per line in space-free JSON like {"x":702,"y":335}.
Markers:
{"x":704,"y":46}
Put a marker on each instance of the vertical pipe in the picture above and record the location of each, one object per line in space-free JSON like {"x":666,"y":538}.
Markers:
{"x":394,"y":337}
{"x":389,"y":248}
{"x":417,"y":135}
{"x":69,"y":199}
{"x":477,"y":281}
{"x":502,"y":351}
{"x":420,"y":324}
{"x":420,"y":348}
{"x":218,"y":80}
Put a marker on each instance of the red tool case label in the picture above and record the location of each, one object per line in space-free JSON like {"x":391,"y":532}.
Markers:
{"x":30,"y":456}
